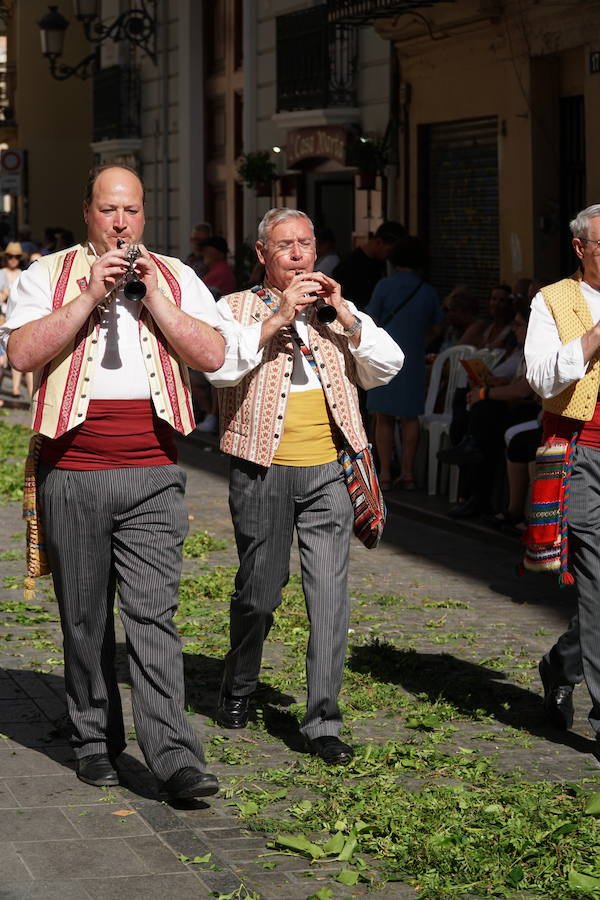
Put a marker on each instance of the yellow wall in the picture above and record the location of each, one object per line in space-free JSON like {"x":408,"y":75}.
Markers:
{"x":54,"y":121}
{"x":515,"y":66}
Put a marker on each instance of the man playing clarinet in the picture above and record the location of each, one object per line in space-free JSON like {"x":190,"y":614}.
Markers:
{"x":111,"y":390}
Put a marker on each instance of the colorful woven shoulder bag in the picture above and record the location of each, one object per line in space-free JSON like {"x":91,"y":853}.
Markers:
{"x":546,"y":537}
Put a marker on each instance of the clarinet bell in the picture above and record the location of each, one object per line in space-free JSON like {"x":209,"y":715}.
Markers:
{"x":326,"y":313}
{"x":135,"y":289}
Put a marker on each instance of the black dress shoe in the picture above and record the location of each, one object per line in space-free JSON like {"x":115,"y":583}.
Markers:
{"x":468,"y":452}
{"x":189,"y":783}
{"x":97,"y":769}
{"x":558,"y":699}
{"x":330,"y":749}
{"x":233,"y":712}
{"x":468,"y":509}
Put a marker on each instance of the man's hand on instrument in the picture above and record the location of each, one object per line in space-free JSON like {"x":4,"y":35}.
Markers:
{"x":296,"y":297}
{"x":106,"y":271}
{"x":146,"y":270}
{"x":331,"y":292}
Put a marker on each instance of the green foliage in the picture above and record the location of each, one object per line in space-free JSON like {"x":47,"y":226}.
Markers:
{"x":485,"y":835}
{"x":200,"y":543}
{"x":368,"y":154}
{"x":14,"y":442}
{"x":256,"y":167}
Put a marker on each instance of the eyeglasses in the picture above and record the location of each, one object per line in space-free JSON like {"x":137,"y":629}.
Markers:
{"x":591,"y":241}
{"x":287,"y":246}
{"x":13,"y":255}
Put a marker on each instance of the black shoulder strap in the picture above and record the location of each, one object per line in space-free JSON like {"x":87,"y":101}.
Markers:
{"x":400,"y":306}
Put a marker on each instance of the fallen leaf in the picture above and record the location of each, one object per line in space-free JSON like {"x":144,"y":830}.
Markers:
{"x":123,"y":812}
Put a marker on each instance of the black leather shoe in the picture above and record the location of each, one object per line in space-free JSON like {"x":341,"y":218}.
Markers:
{"x":97,"y":769}
{"x":558,"y":699}
{"x":467,"y":452}
{"x":468,"y":509}
{"x":330,"y":749}
{"x":188,"y":783}
{"x":233,"y":712}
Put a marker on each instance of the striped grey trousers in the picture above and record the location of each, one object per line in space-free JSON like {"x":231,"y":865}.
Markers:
{"x":123,"y":529}
{"x":265,"y":506}
{"x":576,"y":654}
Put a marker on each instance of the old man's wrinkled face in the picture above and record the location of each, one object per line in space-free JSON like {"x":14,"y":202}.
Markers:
{"x":289,"y":248}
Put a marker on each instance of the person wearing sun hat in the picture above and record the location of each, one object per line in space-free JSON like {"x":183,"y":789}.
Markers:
{"x":13,"y":256}
{"x":10,"y":274}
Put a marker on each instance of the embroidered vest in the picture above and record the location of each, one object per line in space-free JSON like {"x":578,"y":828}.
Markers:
{"x":62,"y":387}
{"x":571,"y":313}
{"x":253,"y":412}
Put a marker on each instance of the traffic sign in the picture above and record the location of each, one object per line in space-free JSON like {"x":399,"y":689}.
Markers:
{"x":11,"y":171}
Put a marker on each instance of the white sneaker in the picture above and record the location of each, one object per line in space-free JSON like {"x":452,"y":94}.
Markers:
{"x":209,"y":424}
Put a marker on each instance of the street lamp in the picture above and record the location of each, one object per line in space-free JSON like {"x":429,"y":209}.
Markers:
{"x":135,"y":25}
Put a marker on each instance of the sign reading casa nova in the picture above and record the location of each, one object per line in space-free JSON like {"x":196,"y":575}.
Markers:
{"x":327,"y":142}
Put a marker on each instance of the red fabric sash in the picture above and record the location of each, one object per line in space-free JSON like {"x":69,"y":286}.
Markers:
{"x":116,"y":434}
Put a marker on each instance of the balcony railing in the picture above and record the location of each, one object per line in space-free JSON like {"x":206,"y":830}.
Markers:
{"x":116,"y":94}
{"x":357,"y":11}
{"x":316,"y":61}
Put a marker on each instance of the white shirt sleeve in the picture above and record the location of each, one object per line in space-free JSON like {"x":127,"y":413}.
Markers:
{"x":378,"y":357}
{"x":29,"y":299}
{"x":242,"y":353}
{"x":196,"y":300}
{"x":240,"y":343}
{"x":551,"y":365}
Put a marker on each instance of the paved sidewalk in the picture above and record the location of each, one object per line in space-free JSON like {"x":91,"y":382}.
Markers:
{"x":62,"y":839}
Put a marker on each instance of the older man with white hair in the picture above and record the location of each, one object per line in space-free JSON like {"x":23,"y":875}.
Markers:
{"x":562,"y":352}
{"x":284,"y":414}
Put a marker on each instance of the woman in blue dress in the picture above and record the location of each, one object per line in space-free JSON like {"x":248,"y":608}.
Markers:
{"x":409,"y":309}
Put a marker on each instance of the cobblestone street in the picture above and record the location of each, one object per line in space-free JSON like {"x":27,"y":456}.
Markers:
{"x":460,"y":612}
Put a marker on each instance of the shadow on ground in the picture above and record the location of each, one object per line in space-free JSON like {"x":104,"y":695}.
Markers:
{"x":472,"y":688}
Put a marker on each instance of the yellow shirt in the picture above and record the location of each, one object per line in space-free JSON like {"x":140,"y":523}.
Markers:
{"x":307,"y":438}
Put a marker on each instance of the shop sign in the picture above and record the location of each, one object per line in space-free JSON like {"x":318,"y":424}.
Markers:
{"x":327,"y":142}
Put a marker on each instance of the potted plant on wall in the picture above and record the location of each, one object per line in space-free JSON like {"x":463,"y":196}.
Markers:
{"x":257,"y":170}
{"x":369,"y":155}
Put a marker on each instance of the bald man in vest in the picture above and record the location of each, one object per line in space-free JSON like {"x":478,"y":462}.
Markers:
{"x":562,"y":351}
{"x":111,"y":391}
{"x":285,"y":412}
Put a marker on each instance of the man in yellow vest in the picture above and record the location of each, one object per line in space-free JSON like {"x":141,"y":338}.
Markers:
{"x":562,"y":352}
{"x":285,"y":410}
{"x":111,"y":389}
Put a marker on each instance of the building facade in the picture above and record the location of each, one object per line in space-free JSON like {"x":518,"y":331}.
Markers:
{"x":498,"y":136}
{"x":472,"y":121}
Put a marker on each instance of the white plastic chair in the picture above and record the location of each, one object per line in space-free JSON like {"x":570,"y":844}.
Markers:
{"x":490,"y":358}
{"x":438,"y":424}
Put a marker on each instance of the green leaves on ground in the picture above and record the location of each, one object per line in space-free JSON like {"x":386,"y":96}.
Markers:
{"x":200,"y":543}
{"x":487,"y":836}
{"x":14,"y":442}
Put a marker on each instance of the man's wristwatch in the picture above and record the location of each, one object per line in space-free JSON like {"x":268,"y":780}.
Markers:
{"x":354,"y":327}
